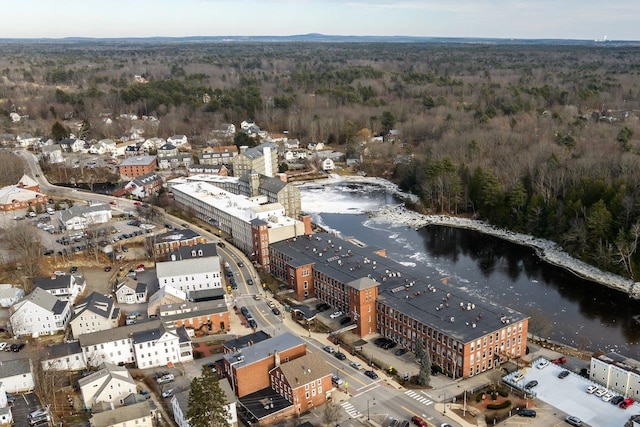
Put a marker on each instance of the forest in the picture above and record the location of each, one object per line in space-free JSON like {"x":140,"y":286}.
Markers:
{"x":537,"y":138}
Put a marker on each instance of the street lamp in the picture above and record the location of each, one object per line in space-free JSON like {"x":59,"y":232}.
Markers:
{"x":374,"y":402}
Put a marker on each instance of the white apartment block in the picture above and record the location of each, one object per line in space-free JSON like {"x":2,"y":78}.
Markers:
{"x":617,"y":373}
{"x":187,"y":275}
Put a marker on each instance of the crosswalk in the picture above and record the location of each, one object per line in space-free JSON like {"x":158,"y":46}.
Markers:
{"x":351,"y":410}
{"x":419,"y":397}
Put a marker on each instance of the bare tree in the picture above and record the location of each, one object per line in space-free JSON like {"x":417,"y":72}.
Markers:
{"x":25,"y":242}
{"x":330,"y":413}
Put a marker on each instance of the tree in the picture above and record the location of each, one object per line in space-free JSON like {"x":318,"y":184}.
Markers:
{"x":330,"y":413}
{"x":424,"y":375}
{"x":59,"y":132}
{"x":242,"y":139}
{"x":207,"y":402}
{"x":25,"y":242}
{"x":388,"y":121}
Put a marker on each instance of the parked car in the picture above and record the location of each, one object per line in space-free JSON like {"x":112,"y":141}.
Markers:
{"x":563,"y":374}
{"x":168,"y":393}
{"x":542,"y":364}
{"x":389,"y":345}
{"x":10,"y":397}
{"x":221,"y":244}
{"x":355,"y":365}
{"x":240,"y":264}
{"x":517,"y":377}
{"x":592,"y":389}
{"x":211,"y":365}
{"x":275,"y":311}
{"x":559,"y":361}
{"x":371,"y":374}
{"x":607,"y":397}
{"x":339,"y":355}
{"x":328,"y":349}
{"x":165,"y":378}
{"x":2,"y":345}
{"x":626,"y":403}
{"x":107,"y":268}
{"x":400,"y":351}
{"x":574,"y":421}
{"x":527,"y":413}
{"x":345,"y":321}
{"x":616,"y":400}
{"x":145,"y":393}
{"x":600,"y":392}
{"x":337,"y":380}
{"x":250,"y":282}
{"x":530,"y":384}
{"x":322,"y":307}
{"x":336,"y":314}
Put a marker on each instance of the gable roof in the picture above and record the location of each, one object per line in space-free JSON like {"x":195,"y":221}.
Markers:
{"x":44,"y":299}
{"x":55,"y":351}
{"x":200,"y":250}
{"x":106,"y":373}
{"x":187,"y":266}
{"x":83,"y":210}
{"x":258,"y":151}
{"x":95,"y":303}
{"x":264,"y":349}
{"x":122,"y":415}
{"x":151,"y":334}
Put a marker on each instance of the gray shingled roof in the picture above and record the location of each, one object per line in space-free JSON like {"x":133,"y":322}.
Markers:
{"x":188,"y":252}
{"x":95,"y":303}
{"x":122,"y":415}
{"x":55,"y":351}
{"x":81,"y":210}
{"x":47,"y":301}
{"x":257,"y":151}
{"x":119,"y":333}
{"x":10,"y":368}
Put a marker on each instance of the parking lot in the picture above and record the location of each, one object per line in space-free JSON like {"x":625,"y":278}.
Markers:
{"x":22,"y":407}
{"x":569,"y":395}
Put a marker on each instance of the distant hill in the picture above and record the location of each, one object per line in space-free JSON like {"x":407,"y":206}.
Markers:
{"x":324,"y":38}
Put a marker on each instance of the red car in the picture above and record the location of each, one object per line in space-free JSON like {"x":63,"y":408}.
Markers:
{"x":626,"y":403}
{"x":136,"y":203}
{"x":113,"y":202}
{"x":419,"y":421}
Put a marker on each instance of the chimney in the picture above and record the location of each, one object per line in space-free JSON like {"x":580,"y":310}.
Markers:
{"x":276,"y":358}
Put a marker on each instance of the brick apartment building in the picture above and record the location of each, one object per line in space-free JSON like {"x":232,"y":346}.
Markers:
{"x":465,"y":336}
{"x":133,"y":167}
{"x":276,"y":378}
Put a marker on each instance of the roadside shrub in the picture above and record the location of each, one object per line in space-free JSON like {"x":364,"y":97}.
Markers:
{"x":479,"y":396}
{"x":502,"y":405}
{"x":503,"y":392}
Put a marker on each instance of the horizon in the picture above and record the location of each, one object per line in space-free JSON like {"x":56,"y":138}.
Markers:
{"x":475,"y":19}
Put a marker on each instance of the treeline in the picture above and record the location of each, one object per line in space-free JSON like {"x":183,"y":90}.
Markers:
{"x":594,"y":217}
{"x":542,"y":139}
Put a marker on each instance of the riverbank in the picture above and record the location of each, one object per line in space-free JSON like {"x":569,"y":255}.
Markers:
{"x":545,"y":249}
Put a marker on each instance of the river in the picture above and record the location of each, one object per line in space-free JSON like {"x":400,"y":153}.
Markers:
{"x":565,"y":308}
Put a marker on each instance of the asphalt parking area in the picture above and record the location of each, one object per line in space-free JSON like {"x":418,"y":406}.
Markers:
{"x":22,"y":407}
{"x":569,"y":395}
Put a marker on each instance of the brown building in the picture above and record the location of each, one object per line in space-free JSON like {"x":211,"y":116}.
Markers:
{"x":206,"y":316}
{"x":305,"y":382}
{"x":133,"y":167}
{"x":464,"y":335}
{"x":248,"y":369}
{"x":162,"y":244}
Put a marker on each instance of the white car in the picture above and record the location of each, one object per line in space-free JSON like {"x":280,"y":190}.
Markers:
{"x":607,"y":397}
{"x":600,"y":392}
{"x":335,"y":315}
{"x":592,"y":389}
{"x":355,"y":365}
{"x":543,"y":363}
{"x":517,"y":377}
{"x":2,"y":345}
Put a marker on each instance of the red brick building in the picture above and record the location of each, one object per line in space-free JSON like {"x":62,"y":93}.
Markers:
{"x":133,"y":167}
{"x":465,"y":336}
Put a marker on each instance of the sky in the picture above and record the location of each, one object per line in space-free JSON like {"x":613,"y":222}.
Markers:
{"x":524,"y":19}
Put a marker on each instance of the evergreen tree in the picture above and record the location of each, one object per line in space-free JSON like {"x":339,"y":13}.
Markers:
{"x":207,"y":402}
{"x":424,"y":360}
{"x":59,"y":132}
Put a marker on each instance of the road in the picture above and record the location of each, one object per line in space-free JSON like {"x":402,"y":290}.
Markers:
{"x":375,"y":399}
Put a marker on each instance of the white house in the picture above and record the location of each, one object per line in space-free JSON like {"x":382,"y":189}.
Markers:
{"x":161,"y":346}
{"x":95,"y":313}
{"x":104,"y":146}
{"x":328,"y":165}
{"x":81,"y":217}
{"x":138,"y":415}
{"x":16,"y":375}
{"x":27,"y":140}
{"x":53,"y":153}
{"x":117,"y":345}
{"x":194,"y":274}
{"x":315,"y":146}
{"x":39,"y":313}
{"x":110,"y":384}
{"x":9,"y":295}
{"x":177,"y":140}
{"x":64,"y":287}
{"x":180,"y":406}
{"x":153,"y":143}
{"x":144,"y":185}
{"x":66,"y":356}
{"x":131,"y":292}
{"x":291,"y":143}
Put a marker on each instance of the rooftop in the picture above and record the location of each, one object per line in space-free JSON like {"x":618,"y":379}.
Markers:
{"x":188,"y":266}
{"x":138,"y":161}
{"x":263,"y":349}
{"x":427,"y":298}
{"x":622,"y":362}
